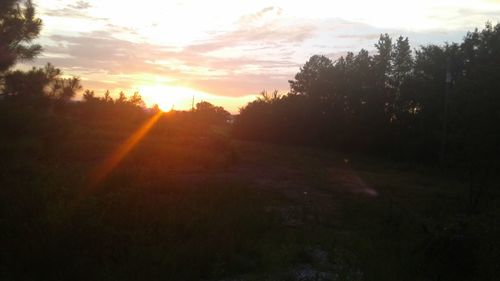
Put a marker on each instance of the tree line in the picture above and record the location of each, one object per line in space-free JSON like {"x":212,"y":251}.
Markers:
{"x":431,"y":104}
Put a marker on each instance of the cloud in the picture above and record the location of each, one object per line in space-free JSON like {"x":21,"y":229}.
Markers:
{"x":265,"y":28}
{"x":99,"y":51}
{"x":335,"y":55}
{"x":270,"y":35}
{"x":80,"y":5}
{"x":76,"y":10}
{"x":252,"y":18}
{"x":241,"y":85}
{"x":99,"y":54}
{"x":370,"y":36}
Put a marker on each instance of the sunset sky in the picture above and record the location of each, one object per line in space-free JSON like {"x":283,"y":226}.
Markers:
{"x":225,"y":52}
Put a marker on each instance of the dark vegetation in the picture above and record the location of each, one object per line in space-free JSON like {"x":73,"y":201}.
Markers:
{"x":373,"y":172}
{"x":435,"y":102}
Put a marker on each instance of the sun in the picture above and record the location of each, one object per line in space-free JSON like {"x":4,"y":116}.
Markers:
{"x":167,"y":103}
{"x":169,"y":97}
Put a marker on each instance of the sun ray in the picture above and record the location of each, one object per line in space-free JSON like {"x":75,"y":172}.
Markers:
{"x":110,"y":163}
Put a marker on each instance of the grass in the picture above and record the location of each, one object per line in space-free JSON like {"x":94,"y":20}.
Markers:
{"x":211,"y":208}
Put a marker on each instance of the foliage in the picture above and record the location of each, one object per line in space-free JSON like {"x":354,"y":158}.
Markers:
{"x":18,"y":27}
{"x":396,"y":102}
{"x":40,"y":83}
{"x":208,"y":113}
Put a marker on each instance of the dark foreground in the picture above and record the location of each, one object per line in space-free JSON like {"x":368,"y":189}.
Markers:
{"x":191,"y":208}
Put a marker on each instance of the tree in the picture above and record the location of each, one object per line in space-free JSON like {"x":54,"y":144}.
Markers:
{"x":210,"y":114}
{"x":269,"y":98}
{"x":474,"y":133}
{"x":402,"y":62}
{"x":313,"y":80}
{"x":402,"y":68}
{"x":382,"y":60}
{"x":18,"y":28}
{"x":122,"y":98}
{"x":39,"y":83}
{"x":65,"y":88}
{"x":107,"y":97}
{"x":30,"y":84}
{"x":136,"y":100}
{"x":89,"y":96}
{"x":383,"y":72}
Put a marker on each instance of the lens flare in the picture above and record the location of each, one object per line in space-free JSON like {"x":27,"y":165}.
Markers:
{"x":110,"y":163}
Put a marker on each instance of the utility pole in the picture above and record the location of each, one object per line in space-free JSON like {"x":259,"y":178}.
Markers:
{"x":444,"y":140}
{"x":192,"y":104}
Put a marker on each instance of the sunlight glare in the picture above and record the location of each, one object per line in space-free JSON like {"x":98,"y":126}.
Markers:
{"x":110,"y":163}
{"x":168,"y":97}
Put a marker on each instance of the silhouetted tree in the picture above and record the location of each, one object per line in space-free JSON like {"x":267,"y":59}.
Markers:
{"x":136,"y":100}
{"x":107,"y":97}
{"x":394,"y":102}
{"x":65,"y":89}
{"x":210,"y":114}
{"x":403,"y":65}
{"x":314,"y":78}
{"x":18,"y":27}
{"x":402,"y":62}
{"x":382,"y":60}
{"x":31,"y":84}
{"x":89,"y":96}
{"x":122,"y":98}
{"x":40,"y":83}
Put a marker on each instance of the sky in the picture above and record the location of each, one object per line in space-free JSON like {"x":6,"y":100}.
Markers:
{"x":226,"y":51}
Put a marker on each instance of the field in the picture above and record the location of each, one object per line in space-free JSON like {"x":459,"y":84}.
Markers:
{"x":214,"y":208}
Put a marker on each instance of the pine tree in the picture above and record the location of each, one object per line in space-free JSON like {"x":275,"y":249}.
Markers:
{"x":19,"y":26}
